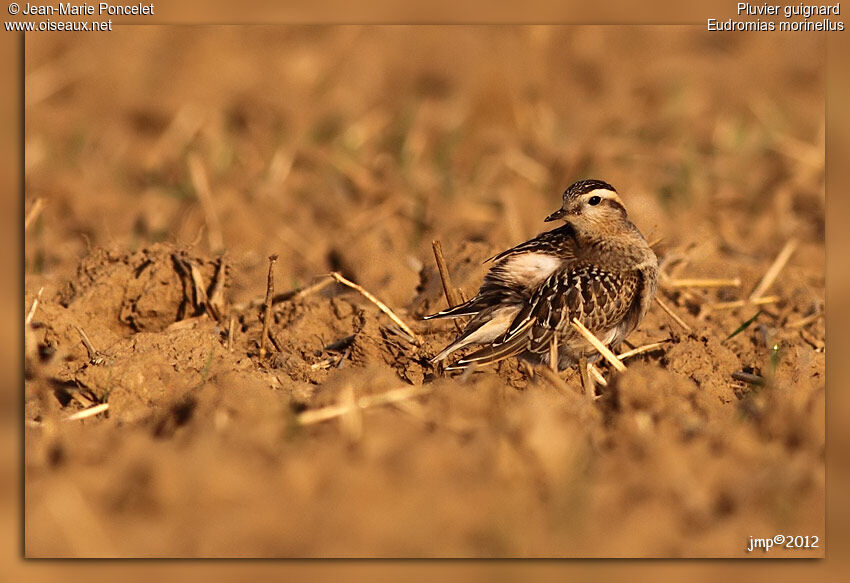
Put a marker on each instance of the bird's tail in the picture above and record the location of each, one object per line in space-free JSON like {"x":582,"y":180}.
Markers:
{"x":468,"y":308}
{"x":485,"y":328}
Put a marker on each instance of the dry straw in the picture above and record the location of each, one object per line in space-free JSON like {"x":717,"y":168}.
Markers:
{"x":597,"y":344}
{"x":34,"y":213}
{"x":773,"y":271}
{"x":333,"y":411}
{"x":86,"y":413}
{"x":267,"y":307}
{"x":34,"y":307}
{"x":452,"y":296}
{"x":672,"y":314}
{"x":201,"y":184}
{"x":741,"y":303}
{"x":681,"y":283}
{"x":641,"y":350}
{"x":381,"y":305}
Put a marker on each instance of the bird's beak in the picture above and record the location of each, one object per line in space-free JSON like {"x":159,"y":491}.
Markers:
{"x":558,"y":214}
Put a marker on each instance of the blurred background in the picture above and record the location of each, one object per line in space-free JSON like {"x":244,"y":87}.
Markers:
{"x":330,"y":145}
{"x":351,"y":148}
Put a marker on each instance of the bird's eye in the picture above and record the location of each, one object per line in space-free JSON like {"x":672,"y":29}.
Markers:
{"x":594,"y":200}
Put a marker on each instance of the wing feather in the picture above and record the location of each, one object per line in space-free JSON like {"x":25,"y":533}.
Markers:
{"x":545,"y":285}
{"x":559,"y":242}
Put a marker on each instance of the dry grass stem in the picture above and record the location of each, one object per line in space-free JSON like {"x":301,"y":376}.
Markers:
{"x":333,"y":411}
{"x":46,"y":80}
{"x":311,"y":289}
{"x":95,"y":357}
{"x":267,"y":307}
{"x":450,"y":291}
{"x":742,"y":303}
{"x":808,"y":154}
{"x":201,"y":184}
{"x":641,"y":350}
{"x":198,"y":286}
{"x":801,"y":322}
{"x":82,"y":399}
{"x":33,"y":307}
{"x":597,"y":376}
{"x":527,"y":167}
{"x":747,"y":377}
{"x":186,"y":123}
{"x":231,"y":327}
{"x":200,"y":299}
{"x":672,"y":314}
{"x":279,"y":168}
{"x":275,"y":342}
{"x":322,"y":364}
{"x":816,"y":343}
{"x":296,"y":295}
{"x":382,"y":213}
{"x":677,"y":283}
{"x":684,"y":285}
{"x":34,"y":213}
{"x":352,"y":420}
{"x":216,"y":296}
{"x":597,"y":344}
{"x":773,"y":271}
{"x":586,"y":382}
{"x":527,"y":369}
{"x":684,"y":260}
{"x":448,"y":287}
{"x":344,"y":357}
{"x":381,"y":305}
{"x":86,"y":413}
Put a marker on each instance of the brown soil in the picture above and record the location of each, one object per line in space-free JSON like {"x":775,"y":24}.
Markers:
{"x":350,"y":149}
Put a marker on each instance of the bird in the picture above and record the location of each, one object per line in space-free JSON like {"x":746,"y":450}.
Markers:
{"x":597,"y":267}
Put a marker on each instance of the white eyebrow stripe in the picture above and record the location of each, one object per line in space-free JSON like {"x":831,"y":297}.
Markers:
{"x":605,"y":193}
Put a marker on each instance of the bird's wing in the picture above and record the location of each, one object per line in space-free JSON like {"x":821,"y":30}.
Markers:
{"x":533,"y":326}
{"x":517,"y":272}
{"x":492,"y":353}
{"x":598,"y":298}
{"x":467,"y":308}
{"x":559,"y":242}
{"x":485,"y":327}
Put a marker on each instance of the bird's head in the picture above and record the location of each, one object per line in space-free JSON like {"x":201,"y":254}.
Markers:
{"x":592,"y":200}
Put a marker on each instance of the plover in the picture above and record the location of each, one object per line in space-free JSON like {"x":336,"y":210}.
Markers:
{"x":597,"y":267}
